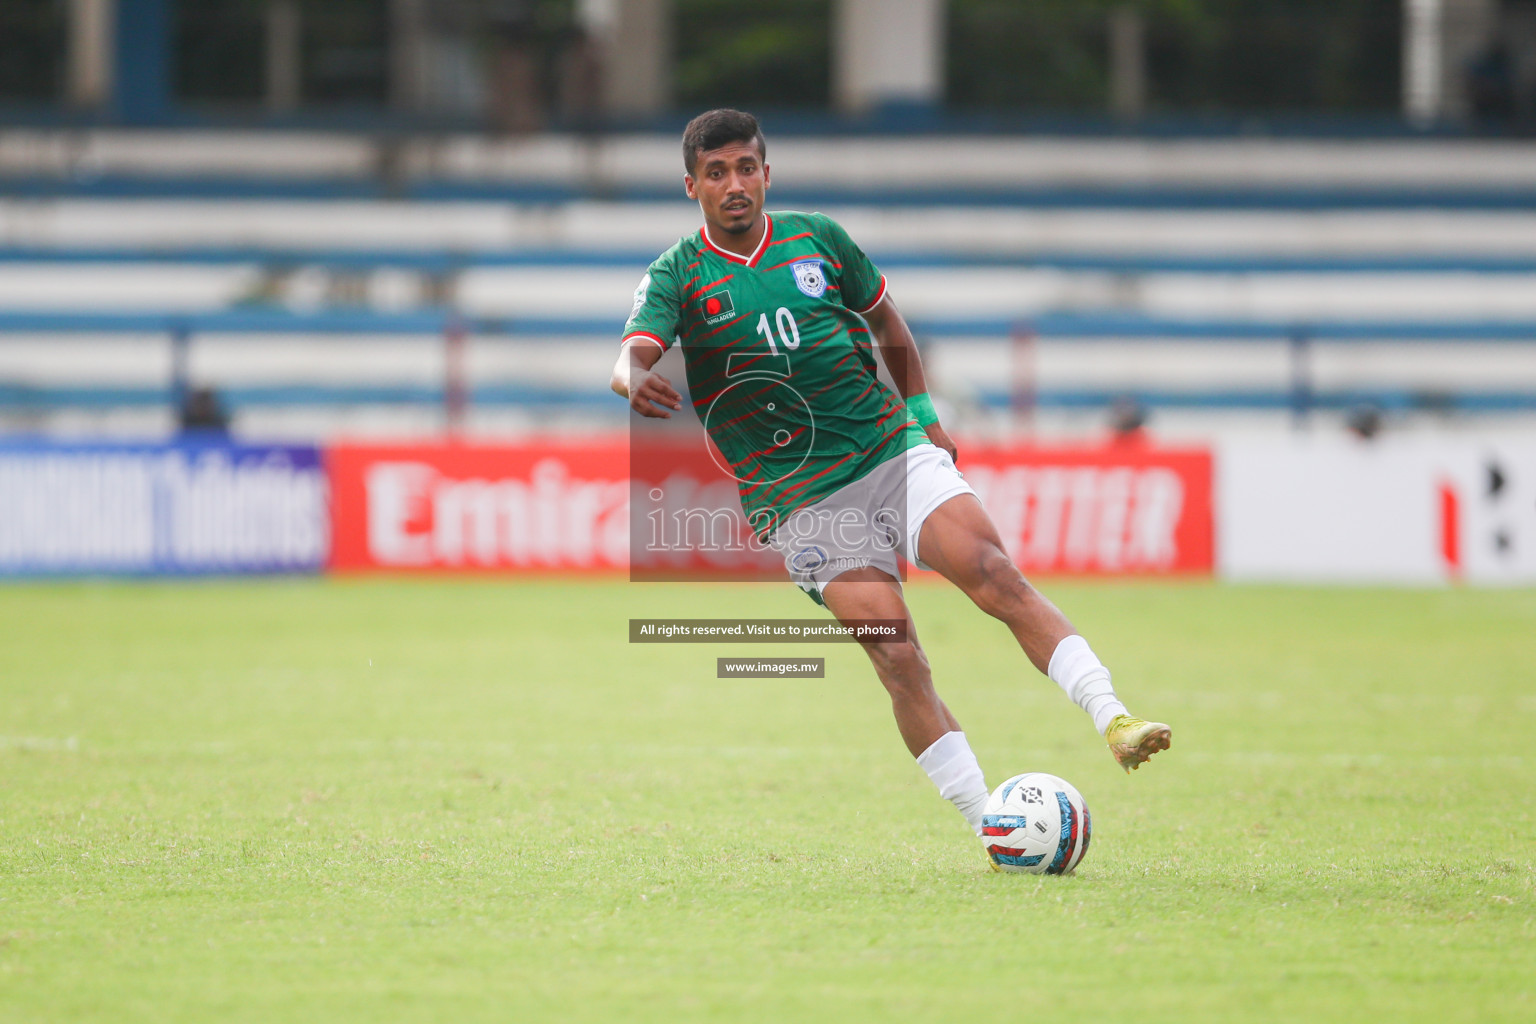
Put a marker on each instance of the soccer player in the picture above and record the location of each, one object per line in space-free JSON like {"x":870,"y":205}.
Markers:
{"x":835,"y":470}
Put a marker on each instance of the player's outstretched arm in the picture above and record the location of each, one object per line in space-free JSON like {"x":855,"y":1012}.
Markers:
{"x":649,"y":393}
{"x":899,"y":350}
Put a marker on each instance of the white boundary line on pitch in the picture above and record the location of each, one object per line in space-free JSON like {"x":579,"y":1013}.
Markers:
{"x":1269,"y":757}
{"x":50,"y":743}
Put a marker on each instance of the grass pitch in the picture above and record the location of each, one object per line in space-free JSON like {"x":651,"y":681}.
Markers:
{"x":432,"y":800}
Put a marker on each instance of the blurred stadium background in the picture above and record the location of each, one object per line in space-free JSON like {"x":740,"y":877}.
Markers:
{"x":1299,"y":238}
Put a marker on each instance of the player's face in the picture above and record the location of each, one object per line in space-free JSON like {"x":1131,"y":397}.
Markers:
{"x":730,"y":186}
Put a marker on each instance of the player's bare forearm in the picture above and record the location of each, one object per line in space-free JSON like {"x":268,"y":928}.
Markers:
{"x":649,"y":393}
{"x":899,"y":350}
{"x":897,"y":347}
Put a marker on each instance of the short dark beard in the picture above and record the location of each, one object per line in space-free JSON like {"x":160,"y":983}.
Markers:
{"x":745,"y":227}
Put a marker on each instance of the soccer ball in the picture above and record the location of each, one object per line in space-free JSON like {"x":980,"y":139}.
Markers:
{"x":1036,"y":823}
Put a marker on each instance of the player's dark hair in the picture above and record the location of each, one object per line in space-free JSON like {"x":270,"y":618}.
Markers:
{"x":715,"y":128}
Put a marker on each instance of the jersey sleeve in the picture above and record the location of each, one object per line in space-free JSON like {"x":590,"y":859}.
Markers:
{"x":658,"y":307}
{"x":862,"y":284}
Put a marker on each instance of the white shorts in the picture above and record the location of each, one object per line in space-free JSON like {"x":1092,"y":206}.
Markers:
{"x":870,"y":521}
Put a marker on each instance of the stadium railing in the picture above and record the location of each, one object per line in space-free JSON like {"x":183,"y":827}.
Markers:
{"x":1133,"y":197}
{"x":1299,"y":394}
{"x":444,"y":261}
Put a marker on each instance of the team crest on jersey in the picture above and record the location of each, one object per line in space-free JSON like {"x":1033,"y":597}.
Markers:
{"x":809,"y":277}
{"x":718,"y":306}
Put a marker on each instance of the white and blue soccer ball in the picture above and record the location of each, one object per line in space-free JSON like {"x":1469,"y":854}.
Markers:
{"x":1036,"y":823}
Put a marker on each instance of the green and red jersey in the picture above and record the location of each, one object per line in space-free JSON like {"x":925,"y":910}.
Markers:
{"x":781,"y":367}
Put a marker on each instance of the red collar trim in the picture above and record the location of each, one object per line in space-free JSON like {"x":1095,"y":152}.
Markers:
{"x":757,"y":253}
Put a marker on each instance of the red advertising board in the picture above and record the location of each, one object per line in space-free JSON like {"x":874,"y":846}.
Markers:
{"x":564,"y":507}
{"x":1105,"y":510}
{"x":547,"y":506}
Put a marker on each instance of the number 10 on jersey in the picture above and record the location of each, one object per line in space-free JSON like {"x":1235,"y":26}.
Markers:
{"x":789,"y":331}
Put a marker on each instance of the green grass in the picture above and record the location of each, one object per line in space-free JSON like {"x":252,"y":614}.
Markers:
{"x":447,"y":801}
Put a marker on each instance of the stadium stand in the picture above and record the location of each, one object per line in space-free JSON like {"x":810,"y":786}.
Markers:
{"x":333,"y":282}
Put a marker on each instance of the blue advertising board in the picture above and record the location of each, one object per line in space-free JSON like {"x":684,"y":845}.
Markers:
{"x":178,"y":508}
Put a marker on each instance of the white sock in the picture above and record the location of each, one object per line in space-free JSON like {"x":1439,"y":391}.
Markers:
{"x":953,"y":768}
{"x":1078,"y":671}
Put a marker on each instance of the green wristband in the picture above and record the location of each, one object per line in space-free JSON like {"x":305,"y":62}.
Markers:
{"x":921,"y":406}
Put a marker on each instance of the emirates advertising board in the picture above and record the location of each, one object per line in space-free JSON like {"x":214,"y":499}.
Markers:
{"x":570,"y":507}
{"x":512,"y":508}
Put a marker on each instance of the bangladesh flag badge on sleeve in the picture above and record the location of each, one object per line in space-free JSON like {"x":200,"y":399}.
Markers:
{"x":718,"y":306}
